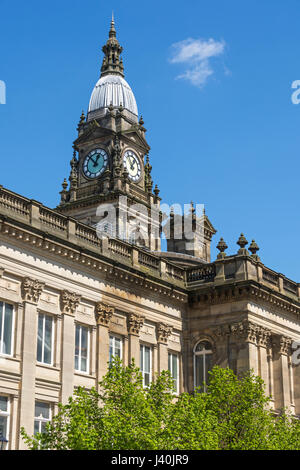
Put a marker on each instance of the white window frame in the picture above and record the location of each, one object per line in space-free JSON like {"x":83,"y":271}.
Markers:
{"x":7,"y":415}
{"x":12,"y":330}
{"x":114,"y":347}
{"x":201,"y":353}
{"x":142,"y":365}
{"x":43,"y":340}
{"x":79,"y":348}
{"x":171,"y":353}
{"x":40,"y":419}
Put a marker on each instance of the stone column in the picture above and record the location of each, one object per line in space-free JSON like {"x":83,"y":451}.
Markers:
{"x":222,"y":345}
{"x":31,"y":291}
{"x":282,"y":392}
{"x":103,"y":314}
{"x":14,"y":422}
{"x":69,"y":303}
{"x":247,"y":354}
{"x":135,"y":322}
{"x":163,"y":333}
{"x":263,"y":341}
{"x":296,"y":374}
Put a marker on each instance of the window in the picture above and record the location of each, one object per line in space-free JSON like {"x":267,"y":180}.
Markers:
{"x":115,"y":347}
{"x":4,"y":418}
{"x":6,"y":328}
{"x":174,"y":369}
{"x":145,"y":361}
{"x":42,"y":416}
{"x":45,"y":338}
{"x":82,"y":348}
{"x":202,"y":363}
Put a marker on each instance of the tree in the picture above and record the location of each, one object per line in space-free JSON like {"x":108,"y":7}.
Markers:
{"x":233,"y":414}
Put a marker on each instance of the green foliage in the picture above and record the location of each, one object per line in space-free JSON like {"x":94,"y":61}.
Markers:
{"x":233,"y":414}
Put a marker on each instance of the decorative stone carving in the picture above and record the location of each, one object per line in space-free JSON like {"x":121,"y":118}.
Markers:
{"x":222,"y":332}
{"x":163,"y":332}
{"x":282,"y":344}
{"x":135,"y":322}
{"x":69,"y":302}
{"x":245,"y":330}
{"x":263,"y":337}
{"x":104,"y":313}
{"x":32,"y":289}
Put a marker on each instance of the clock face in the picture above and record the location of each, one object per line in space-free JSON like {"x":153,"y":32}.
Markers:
{"x":95,"y":163}
{"x":132,"y":164}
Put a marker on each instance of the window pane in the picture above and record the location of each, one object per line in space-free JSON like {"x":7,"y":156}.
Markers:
{"x":3,"y":404}
{"x":43,"y":426}
{"x":208,"y":367}
{"x":42,"y":410}
{"x":48,"y":340}
{"x":170,"y":362}
{"x":40,"y":339}
{"x":199,"y":370}
{"x":174,"y":366}
{"x":146,"y":379}
{"x":84,"y":348}
{"x":142,"y":358}
{"x":1,"y":332}
{"x":3,"y":426}
{"x":147,"y":359}
{"x":8,"y":317}
{"x":77,"y":343}
{"x":36,"y":426}
{"x":117,"y":347}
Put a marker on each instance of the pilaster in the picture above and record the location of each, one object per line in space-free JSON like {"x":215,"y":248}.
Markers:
{"x":103,"y":314}
{"x":31,"y":291}
{"x":135,"y":322}
{"x":69,"y":302}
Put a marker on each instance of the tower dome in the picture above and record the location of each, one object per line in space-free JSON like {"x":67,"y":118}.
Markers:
{"x":112,"y":89}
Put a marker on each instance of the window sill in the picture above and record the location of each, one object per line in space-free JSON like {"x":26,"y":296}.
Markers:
{"x":47,"y":366}
{"x":84,"y":374}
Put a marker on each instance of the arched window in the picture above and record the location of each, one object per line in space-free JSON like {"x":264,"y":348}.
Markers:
{"x":202,"y":364}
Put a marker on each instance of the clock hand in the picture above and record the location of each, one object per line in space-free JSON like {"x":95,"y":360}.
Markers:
{"x":96,"y":162}
{"x":132,"y":164}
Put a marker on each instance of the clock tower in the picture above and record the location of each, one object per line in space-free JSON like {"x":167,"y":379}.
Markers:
{"x":110,"y":185}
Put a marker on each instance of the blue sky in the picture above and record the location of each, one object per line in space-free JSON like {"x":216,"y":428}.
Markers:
{"x":212,"y":81}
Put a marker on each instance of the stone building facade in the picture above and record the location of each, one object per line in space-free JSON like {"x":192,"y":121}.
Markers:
{"x":77,"y":288}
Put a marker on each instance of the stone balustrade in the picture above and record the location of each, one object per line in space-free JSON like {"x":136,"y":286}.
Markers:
{"x":50,"y":222}
{"x":239,"y":267}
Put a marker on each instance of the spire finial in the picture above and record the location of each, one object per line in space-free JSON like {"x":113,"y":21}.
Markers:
{"x":112,"y":31}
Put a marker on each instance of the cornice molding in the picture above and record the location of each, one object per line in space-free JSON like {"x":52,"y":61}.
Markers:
{"x":245,"y":290}
{"x":67,"y":251}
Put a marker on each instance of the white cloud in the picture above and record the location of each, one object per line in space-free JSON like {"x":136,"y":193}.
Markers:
{"x":197,"y":55}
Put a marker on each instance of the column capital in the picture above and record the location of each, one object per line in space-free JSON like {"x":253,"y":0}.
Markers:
{"x":135,"y":322}
{"x":69,"y":302}
{"x":282,"y":344}
{"x":245,"y":330}
{"x":103,"y":313}
{"x":264,"y":337}
{"x":163,"y":332}
{"x":31,"y":289}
